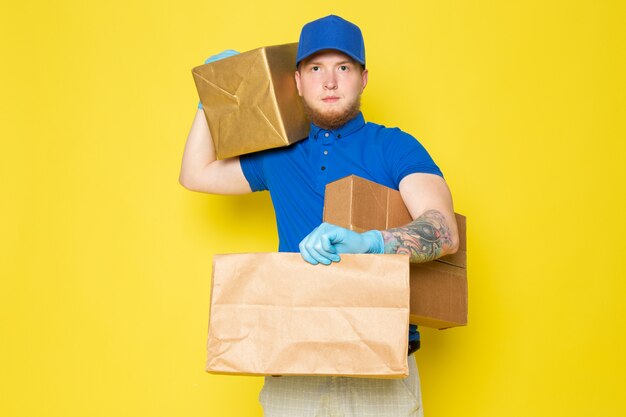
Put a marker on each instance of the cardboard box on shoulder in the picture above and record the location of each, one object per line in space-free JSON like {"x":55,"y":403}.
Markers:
{"x":251,"y":102}
{"x":438,"y":288}
{"x":274,"y":314}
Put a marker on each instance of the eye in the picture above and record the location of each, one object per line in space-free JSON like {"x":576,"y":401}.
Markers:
{"x":343,"y":68}
{"x":315,"y":68}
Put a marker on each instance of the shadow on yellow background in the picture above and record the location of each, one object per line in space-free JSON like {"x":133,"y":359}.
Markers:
{"x":106,"y":260}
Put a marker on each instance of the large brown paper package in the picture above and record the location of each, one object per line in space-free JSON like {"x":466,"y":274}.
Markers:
{"x":275,"y":314}
{"x":438,"y":288}
{"x":250,"y":100}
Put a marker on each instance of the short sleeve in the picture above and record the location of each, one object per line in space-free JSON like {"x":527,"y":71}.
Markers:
{"x":404,"y":155}
{"x":252,"y":167}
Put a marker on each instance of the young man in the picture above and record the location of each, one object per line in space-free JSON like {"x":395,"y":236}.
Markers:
{"x":330,"y":78}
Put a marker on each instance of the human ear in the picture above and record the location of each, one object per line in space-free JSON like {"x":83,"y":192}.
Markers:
{"x":364,"y":76}
{"x":297,"y":77}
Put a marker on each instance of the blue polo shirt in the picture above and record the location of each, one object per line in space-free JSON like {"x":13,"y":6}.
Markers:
{"x":296,"y":176}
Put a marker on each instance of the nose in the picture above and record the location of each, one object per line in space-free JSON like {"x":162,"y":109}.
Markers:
{"x":330,"y":83}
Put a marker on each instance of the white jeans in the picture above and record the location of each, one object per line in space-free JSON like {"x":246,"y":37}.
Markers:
{"x":329,"y":396}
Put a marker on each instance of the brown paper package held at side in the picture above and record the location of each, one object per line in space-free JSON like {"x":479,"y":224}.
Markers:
{"x":274,"y":314}
{"x":438,"y":288}
{"x":251,"y":102}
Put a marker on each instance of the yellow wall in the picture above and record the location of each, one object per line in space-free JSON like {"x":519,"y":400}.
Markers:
{"x":105,"y":259}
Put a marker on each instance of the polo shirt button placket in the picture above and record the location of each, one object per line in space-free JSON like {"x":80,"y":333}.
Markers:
{"x":325,"y":142}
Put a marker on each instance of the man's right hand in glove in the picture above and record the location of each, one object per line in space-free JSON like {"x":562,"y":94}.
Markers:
{"x":224,"y":54}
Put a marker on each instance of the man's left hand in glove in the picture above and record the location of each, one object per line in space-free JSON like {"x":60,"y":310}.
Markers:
{"x":325,"y":243}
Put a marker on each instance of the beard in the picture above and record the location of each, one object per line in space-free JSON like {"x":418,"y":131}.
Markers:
{"x":332,"y":120}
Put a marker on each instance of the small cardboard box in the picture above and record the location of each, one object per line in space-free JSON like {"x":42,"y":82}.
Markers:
{"x":274,"y":314}
{"x":251,"y":102}
{"x":438,"y":288}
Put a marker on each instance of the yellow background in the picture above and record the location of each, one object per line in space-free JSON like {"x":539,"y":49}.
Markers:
{"x":105,"y":258}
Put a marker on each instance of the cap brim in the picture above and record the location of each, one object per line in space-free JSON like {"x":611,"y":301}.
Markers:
{"x":324,"y":48}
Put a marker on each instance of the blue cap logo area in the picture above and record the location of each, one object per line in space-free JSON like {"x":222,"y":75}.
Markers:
{"x":331,"y":32}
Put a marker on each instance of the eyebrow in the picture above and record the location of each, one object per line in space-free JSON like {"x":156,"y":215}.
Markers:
{"x":339,"y":63}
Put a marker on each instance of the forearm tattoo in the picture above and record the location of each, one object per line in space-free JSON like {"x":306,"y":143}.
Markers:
{"x":423,"y":239}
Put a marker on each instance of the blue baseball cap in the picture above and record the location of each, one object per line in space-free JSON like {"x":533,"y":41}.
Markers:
{"x":331,"y":32}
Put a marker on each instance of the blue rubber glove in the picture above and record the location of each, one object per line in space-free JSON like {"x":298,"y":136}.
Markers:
{"x":325,"y":243}
{"x":224,"y":54}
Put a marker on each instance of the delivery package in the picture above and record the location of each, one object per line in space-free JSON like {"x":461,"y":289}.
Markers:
{"x":275,"y":314}
{"x":251,"y":102}
{"x":439,"y":287}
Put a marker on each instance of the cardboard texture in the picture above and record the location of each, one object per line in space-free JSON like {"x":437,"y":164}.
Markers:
{"x":438,"y":288}
{"x":273,"y":314}
{"x":250,"y":100}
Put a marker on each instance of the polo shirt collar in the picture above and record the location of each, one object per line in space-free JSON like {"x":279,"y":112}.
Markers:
{"x":347,"y":129}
